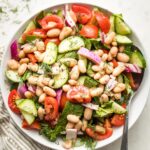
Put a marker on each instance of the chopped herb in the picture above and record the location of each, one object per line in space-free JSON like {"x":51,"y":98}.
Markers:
{"x":52,"y":134}
{"x":14,"y":10}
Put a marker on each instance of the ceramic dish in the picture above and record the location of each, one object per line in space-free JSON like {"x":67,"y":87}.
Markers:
{"x":136,"y":107}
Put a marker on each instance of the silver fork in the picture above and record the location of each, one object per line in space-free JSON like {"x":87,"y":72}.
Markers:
{"x":124,"y":142}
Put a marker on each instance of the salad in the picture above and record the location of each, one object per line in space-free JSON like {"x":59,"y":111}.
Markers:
{"x":71,"y":73}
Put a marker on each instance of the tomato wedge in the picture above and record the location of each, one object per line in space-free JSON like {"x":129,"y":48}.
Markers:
{"x":131,"y":81}
{"x":118,"y":120}
{"x":63,"y":100}
{"x":34,"y":125}
{"x":89,"y":31}
{"x":13,"y":95}
{"x":51,"y":108}
{"x":79,"y":94}
{"x":83,"y":13}
{"x":97,"y":136}
{"x":115,"y":63}
{"x":103,"y":21}
{"x":39,"y":33}
{"x":52,"y":18}
{"x":32,"y":58}
{"x":54,"y":40}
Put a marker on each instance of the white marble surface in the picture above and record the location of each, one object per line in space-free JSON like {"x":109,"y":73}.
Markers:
{"x":136,"y":13}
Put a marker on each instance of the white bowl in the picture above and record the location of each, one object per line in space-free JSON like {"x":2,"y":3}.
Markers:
{"x":136,"y":108}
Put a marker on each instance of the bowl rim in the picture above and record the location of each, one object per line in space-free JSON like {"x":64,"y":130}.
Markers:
{"x":56,"y":4}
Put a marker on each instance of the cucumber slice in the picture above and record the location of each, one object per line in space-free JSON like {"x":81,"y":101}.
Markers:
{"x":13,"y":76}
{"x":118,"y":109}
{"x":61,"y":78}
{"x":50,"y":54}
{"x":71,"y":43}
{"x":112,"y":23}
{"x":28,"y":106}
{"x":87,"y":81}
{"x":18,"y":101}
{"x":67,"y":61}
{"x":137,"y":58}
{"x":30,"y":26}
{"x":28,"y":117}
{"x":121,"y":39}
{"x":121,"y":27}
{"x":89,"y":71}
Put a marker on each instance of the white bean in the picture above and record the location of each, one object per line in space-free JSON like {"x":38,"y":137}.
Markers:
{"x":119,"y":88}
{"x":66,"y":87}
{"x":88,"y":113}
{"x":24,"y":60}
{"x":114,"y":43}
{"x":51,"y":24}
{"x":121,"y":48}
{"x":104,"y":57}
{"x":21,"y":54}
{"x":97,"y":76}
{"x":109,"y":69}
{"x":104,"y":98}
{"x":72,"y":82}
{"x":109,"y":38}
{"x":81,"y":66}
{"x":42,"y":98}
{"x":122,"y":57}
{"x":100,"y":129}
{"x":51,"y":82}
{"x":40,"y":81}
{"x":67,"y":144}
{"x":28,"y":48}
{"x":84,"y":124}
{"x":117,"y":96}
{"x":40,"y":45}
{"x":38,"y":91}
{"x":13,"y":64}
{"x":114,"y":51}
{"x":39,"y":56}
{"x":66,"y":31}
{"x":22,"y":69}
{"x":109,"y":57}
{"x":33,"y":80}
{"x":78,"y":126}
{"x":33,"y":67}
{"x":46,"y":81}
{"x":96,"y":68}
{"x":53,"y":33}
{"x":28,"y":94}
{"x":41,"y":113}
{"x":99,"y":52}
{"x":74,"y":74}
{"x":118,"y":70}
{"x":49,"y":91}
{"x":104,"y":79}
{"x":70,"y":125}
{"x":96,"y":91}
{"x":73,"y":118}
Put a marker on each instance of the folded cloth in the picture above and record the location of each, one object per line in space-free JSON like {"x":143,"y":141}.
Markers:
{"x":10,"y":137}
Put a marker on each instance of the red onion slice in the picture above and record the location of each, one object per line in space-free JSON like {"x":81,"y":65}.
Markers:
{"x":14,"y":50}
{"x":91,"y":106}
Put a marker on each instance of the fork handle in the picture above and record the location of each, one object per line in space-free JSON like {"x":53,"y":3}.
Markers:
{"x":124,"y":143}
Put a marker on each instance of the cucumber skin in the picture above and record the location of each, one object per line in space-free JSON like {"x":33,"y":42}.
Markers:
{"x":8,"y":73}
{"x":137,"y":58}
{"x":29,"y":27}
{"x":48,"y":53}
{"x":121,"y":27}
{"x":56,"y":78}
{"x":121,"y":39}
{"x":28,"y":117}
{"x":24,"y":106}
{"x":66,"y":44}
